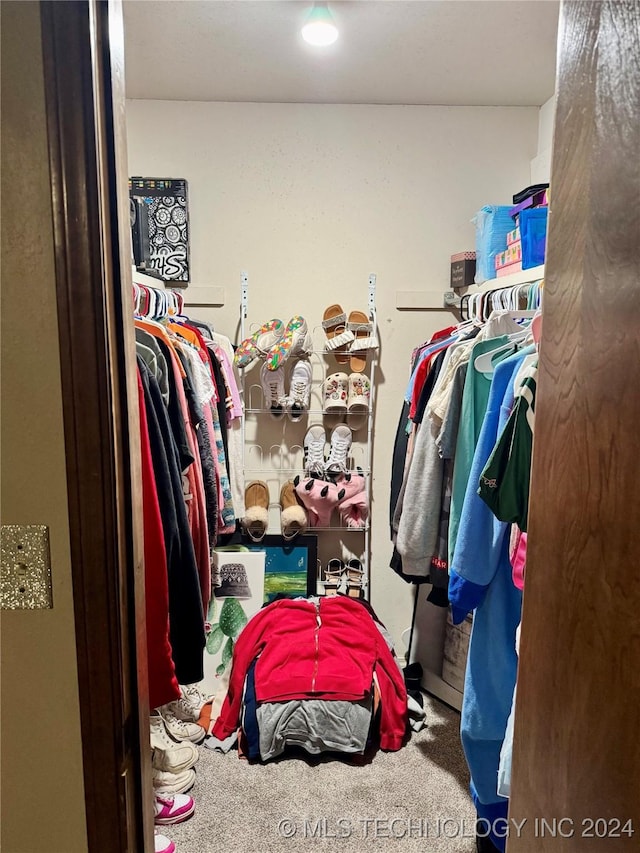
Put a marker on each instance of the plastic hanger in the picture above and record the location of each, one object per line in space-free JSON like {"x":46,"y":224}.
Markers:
{"x":484,"y":363}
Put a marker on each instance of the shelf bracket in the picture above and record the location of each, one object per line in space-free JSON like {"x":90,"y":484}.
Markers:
{"x":372,"y":294}
{"x":244,"y":294}
{"x":451,"y":299}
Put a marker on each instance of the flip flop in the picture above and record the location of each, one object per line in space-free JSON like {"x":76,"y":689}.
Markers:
{"x":363,"y":340}
{"x":339,"y":337}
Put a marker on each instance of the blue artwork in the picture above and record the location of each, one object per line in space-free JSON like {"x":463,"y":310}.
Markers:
{"x":286,"y":569}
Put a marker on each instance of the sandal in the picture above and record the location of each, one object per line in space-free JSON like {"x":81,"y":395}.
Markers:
{"x":355,"y":578}
{"x":363,"y":340}
{"x":261,"y":341}
{"x":332,"y":576}
{"x":338,"y":336}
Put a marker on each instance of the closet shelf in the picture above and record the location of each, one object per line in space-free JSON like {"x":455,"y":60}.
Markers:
{"x":309,"y":412}
{"x":341,"y":527}
{"x":300,"y":470}
{"x":522,"y":277}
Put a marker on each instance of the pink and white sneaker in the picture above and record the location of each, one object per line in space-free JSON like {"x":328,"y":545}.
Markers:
{"x":176,"y":809}
{"x":163,"y":845}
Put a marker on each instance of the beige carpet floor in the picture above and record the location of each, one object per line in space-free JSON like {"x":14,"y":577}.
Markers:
{"x":413,"y":800}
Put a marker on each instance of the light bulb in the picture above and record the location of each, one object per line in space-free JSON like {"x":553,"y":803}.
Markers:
{"x":320,"y":30}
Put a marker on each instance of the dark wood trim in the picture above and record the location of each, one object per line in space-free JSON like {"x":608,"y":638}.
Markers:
{"x":83,"y":46}
{"x":576,"y":746}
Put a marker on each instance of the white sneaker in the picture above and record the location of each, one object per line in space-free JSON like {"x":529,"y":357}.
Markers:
{"x":185,"y":709}
{"x":169,"y":756}
{"x":192,"y":694}
{"x":314,"y":442}
{"x":173,"y":783}
{"x":166,"y":754}
{"x":300,"y":389}
{"x":179,"y":729}
{"x":162,"y":844}
{"x":340,"y":444}
{"x":275,"y":399}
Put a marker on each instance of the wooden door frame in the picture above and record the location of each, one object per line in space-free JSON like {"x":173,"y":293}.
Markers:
{"x":83,"y":49}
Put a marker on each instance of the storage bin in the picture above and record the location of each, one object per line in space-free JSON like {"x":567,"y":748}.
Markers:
{"x":463,"y":269}
{"x":533,"y":235}
{"x":493,"y":223}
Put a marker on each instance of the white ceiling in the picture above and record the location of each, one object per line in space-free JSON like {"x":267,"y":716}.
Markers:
{"x":459,"y":52}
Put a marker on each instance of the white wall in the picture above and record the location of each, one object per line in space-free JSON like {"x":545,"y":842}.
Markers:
{"x":310,"y":199}
{"x":541,"y":163}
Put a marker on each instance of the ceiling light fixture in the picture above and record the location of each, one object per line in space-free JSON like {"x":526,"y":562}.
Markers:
{"x":320,"y":30}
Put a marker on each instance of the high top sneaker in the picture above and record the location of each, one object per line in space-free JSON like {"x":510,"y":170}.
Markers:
{"x":192,"y":694}
{"x":300,"y":389}
{"x":275,"y":399}
{"x":166,"y":754}
{"x":179,"y":729}
{"x":170,"y":784}
{"x":340,"y":445}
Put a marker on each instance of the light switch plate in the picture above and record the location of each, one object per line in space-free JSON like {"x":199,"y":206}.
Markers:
{"x":25,"y":573}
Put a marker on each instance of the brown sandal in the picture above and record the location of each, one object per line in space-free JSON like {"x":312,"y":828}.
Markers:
{"x":364,"y":340}
{"x":334,"y":322}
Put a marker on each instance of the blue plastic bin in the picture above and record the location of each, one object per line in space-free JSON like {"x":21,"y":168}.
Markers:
{"x":493,"y":223}
{"x":533,"y":233}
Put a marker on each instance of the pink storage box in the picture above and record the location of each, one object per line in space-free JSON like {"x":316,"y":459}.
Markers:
{"x":511,"y":268}
{"x":513,"y":236}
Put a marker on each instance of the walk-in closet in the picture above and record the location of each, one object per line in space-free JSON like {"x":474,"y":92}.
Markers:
{"x":341,"y":348}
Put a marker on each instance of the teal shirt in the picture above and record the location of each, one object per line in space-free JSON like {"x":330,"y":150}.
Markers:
{"x":474,"y":405}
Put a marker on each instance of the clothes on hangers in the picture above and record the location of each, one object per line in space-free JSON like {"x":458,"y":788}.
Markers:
{"x":185,"y":384}
{"x":471,"y":445}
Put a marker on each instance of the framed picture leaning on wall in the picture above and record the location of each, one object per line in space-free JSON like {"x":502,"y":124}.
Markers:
{"x":289,"y":566}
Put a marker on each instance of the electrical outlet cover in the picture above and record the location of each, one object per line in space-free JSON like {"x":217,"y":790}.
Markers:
{"x":25,"y":573}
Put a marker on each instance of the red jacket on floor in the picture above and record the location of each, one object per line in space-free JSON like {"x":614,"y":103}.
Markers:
{"x":322,"y":649}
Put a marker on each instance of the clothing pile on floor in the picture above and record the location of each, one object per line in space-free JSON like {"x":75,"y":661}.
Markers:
{"x":318,"y":673}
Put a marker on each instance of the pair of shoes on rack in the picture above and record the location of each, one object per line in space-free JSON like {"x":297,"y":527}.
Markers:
{"x":276,"y":342}
{"x":349,"y":339}
{"x":346,"y":394}
{"x":293,"y":517}
{"x":276,"y":400}
{"x":315,"y":462}
{"x":348,"y":493}
{"x":344,"y":577}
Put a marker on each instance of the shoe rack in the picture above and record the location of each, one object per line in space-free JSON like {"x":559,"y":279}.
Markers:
{"x":273,"y":448}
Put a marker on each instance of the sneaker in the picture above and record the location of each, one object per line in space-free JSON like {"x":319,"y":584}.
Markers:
{"x":314,"y":442}
{"x":275,"y":399}
{"x":300,"y":389}
{"x":296,"y":341}
{"x":166,"y":754}
{"x":163,"y":844}
{"x":179,"y":729}
{"x":178,"y":758}
{"x":169,"y":810}
{"x":185,"y":710}
{"x":340,"y":444}
{"x":335,"y":393}
{"x":260,"y":342}
{"x":192,"y":694}
{"x":173,"y":783}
